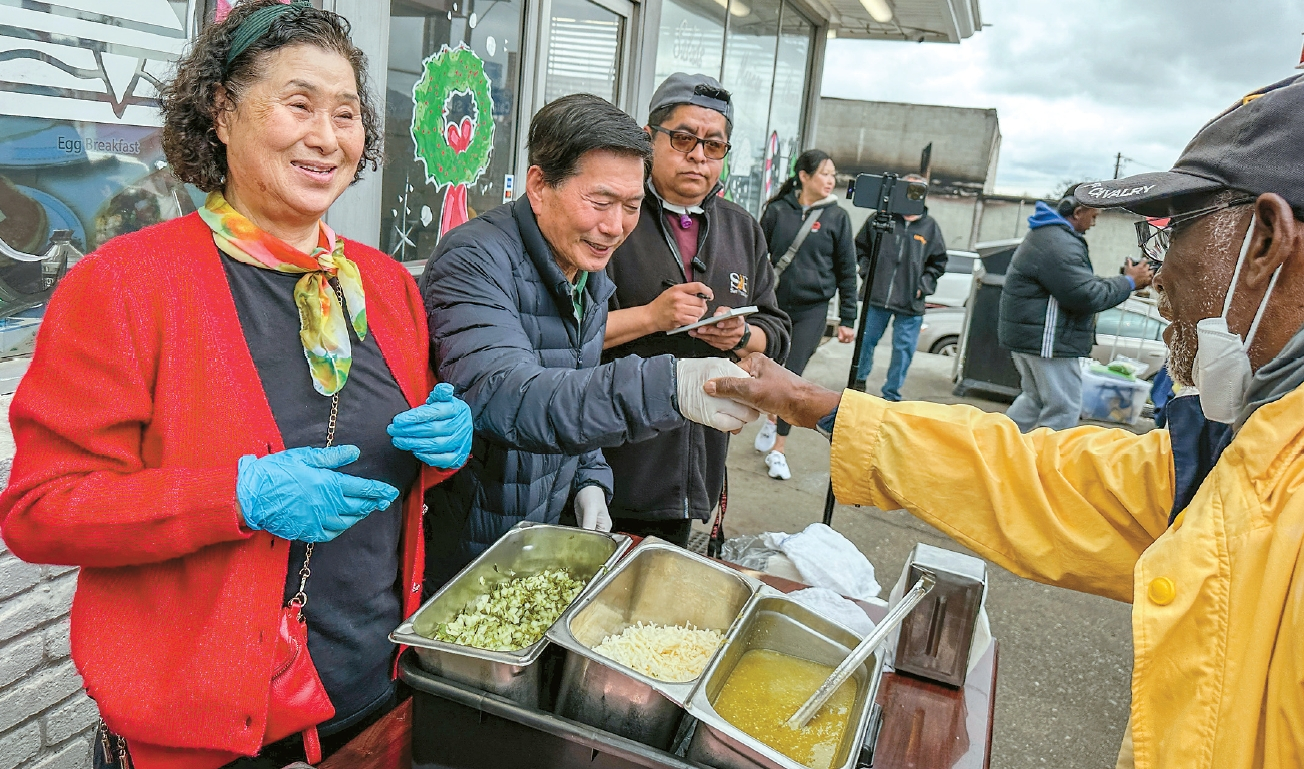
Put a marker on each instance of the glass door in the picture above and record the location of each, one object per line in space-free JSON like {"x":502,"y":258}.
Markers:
{"x":586,"y":48}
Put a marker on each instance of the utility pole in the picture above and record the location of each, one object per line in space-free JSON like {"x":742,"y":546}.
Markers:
{"x":1118,"y":164}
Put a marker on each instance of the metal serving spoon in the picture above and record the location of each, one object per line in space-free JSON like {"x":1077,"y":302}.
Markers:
{"x":861,"y":653}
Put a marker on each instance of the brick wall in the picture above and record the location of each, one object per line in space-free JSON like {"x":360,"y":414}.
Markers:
{"x":45,"y":717}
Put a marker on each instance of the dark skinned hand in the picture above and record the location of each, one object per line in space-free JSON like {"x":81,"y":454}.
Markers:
{"x":773,"y":389}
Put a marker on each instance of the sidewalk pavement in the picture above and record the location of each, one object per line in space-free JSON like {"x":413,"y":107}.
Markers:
{"x":1063,"y":686}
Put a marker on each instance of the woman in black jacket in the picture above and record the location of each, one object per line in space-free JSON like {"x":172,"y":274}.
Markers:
{"x":823,"y":262}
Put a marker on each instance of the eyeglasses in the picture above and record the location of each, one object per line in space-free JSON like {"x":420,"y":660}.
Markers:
{"x":1155,"y":235}
{"x":682,"y":141}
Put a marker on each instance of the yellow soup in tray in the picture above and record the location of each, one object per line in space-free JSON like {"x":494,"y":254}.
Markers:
{"x":766,"y":688}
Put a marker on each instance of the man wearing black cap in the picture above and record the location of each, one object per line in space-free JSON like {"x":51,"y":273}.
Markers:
{"x":1216,"y":584}
{"x":691,"y":254}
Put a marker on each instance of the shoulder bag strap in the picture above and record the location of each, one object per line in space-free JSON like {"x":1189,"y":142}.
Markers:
{"x":791,"y":253}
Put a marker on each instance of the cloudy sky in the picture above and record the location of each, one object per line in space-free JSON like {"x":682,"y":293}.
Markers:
{"x":1075,"y":83}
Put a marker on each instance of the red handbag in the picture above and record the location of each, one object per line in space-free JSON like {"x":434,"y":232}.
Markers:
{"x":298,"y":699}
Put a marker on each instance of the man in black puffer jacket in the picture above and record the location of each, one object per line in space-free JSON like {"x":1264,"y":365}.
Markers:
{"x":1048,"y":312}
{"x":517,"y":304}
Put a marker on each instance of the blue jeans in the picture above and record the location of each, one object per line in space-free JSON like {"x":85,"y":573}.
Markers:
{"x":905,"y":336}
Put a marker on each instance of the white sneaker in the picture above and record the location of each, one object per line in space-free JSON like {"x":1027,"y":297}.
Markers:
{"x":778,"y":465}
{"x":766,"y":437}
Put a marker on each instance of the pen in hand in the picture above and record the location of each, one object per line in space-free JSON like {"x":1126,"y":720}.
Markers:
{"x":668,"y":283}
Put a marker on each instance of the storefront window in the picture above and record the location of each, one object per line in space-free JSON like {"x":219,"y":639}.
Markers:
{"x":764,"y":63}
{"x":749,"y":76}
{"x":691,"y":37}
{"x":788,"y":102}
{"x":450,"y":117}
{"x":584,"y":48}
{"x":80,"y":157}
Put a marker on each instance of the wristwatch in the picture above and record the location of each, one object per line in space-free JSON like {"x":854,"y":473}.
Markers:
{"x":744,"y":339}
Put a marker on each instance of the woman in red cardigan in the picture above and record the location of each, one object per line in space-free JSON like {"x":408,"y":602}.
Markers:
{"x":229,"y":423}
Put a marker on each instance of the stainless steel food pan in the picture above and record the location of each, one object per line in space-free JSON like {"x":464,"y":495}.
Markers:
{"x":657,"y":583}
{"x":526,"y":549}
{"x":781,"y":625}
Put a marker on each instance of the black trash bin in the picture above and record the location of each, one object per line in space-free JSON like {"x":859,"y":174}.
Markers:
{"x":985,"y":368}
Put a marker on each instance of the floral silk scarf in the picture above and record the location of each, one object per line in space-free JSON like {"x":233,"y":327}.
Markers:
{"x":322,"y":324}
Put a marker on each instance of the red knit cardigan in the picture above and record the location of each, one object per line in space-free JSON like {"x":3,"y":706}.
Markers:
{"x":141,"y":397}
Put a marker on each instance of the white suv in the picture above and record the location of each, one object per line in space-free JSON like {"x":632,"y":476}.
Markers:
{"x":952,"y":288}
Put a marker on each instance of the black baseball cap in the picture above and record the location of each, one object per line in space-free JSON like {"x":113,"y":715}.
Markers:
{"x":1254,"y":146}
{"x":701,"y":90}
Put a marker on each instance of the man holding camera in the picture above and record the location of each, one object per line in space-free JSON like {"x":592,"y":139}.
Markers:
{"x":1048,"y":312}
{"x":910,"y":262}
{"x":691,"y":253}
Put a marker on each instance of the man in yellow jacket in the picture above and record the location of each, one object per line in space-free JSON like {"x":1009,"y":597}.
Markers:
{"x":1217,"y":593}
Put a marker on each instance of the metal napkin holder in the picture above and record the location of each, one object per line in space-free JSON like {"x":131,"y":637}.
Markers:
{"x":937,"y":637}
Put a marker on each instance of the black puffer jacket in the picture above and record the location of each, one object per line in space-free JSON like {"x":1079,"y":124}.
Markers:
{"x":679,"y":474}
{"x":503,"y":331}
{"x":1051,"y":294}
{"x":910,"y":262}
{"x":825,"y":263}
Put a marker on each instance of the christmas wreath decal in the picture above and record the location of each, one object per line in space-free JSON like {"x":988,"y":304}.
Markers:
{"x":455,"y":154}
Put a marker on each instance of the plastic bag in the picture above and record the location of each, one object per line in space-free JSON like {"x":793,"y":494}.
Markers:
{"x":832,"y":606}
{"x":827,"y":559}
{"x":750,"y":552}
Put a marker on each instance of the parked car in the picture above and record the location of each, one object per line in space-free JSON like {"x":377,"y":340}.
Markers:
{"x":953,"y":286}
{"x":1133,"y":329}
{"x":952,"y":289}
{"x":940,"y":332}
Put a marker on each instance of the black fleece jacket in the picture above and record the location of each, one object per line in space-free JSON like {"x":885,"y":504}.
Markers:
{"x":679,"y":474}
{"x":826,"y":261}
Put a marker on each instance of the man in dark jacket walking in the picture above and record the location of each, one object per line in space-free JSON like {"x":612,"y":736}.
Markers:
{"x":1048,"y":312}
{"x":691,"y":252}
{"x":910,"y":262}
{"x":517,"y":304}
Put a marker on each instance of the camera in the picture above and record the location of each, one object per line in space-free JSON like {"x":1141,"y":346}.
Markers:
{"x":888,"y":192}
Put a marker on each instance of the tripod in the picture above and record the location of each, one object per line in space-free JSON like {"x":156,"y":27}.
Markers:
{"x":880,"y":225}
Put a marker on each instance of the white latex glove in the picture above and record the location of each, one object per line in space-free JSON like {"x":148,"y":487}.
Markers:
{"x":591,"y":509}
{"x":694,"y":404}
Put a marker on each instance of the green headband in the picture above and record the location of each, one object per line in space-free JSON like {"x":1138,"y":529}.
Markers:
{"x":254,"y":27}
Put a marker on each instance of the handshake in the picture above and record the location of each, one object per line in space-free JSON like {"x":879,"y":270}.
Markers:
{"x":726,"y":396}
{"x":724,"y":414}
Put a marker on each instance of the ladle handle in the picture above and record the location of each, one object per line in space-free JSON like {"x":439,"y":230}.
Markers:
{"x":862,"y":652}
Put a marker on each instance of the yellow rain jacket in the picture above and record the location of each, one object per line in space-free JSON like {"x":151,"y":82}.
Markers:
{"x":1217,"y":599}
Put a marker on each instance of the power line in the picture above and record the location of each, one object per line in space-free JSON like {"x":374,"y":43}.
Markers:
{"x":1120,"y":159}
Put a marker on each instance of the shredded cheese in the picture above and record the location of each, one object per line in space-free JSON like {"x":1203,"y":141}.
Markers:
{"x":664,"y":652}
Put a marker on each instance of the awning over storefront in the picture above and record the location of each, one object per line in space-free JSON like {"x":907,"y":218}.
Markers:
{"x":919,"y":21}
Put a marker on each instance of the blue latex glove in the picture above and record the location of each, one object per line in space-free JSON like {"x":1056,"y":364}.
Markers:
{"x":296,"y":494}
{"x":438,"y":432}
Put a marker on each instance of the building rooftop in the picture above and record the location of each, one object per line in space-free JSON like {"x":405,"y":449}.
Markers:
{"x":875,"y":136}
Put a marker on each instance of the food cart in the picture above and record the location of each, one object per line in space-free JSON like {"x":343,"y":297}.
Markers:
{"x":560,"y":703}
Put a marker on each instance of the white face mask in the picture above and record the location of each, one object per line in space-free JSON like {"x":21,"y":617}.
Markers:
{"x":1222,"y":362}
